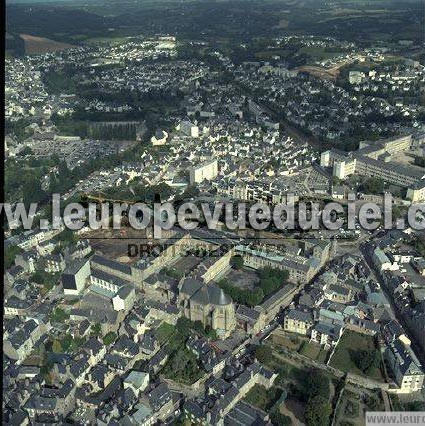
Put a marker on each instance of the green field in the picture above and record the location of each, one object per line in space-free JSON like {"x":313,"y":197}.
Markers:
{"x":263,"y":398}
{"x":313,"y":351}
{"x":349,"y":348}
{"x":317,"y":53}
{"x":164,"y":332}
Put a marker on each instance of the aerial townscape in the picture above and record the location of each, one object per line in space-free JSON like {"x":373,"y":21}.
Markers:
{"x":216,"y":103}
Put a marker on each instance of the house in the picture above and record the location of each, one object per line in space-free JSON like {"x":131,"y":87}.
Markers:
{"x":55,"y":402}
{"x":250,"y":320}
{"x":15,"y":306}
{"x":404,"y":364}
{"x":124,"y":299}
{"x":138,"y":381}
{"x":149,"y":344}
{"x":13,"y":274}
{"x":247,"y":415}
{"x":19,"y":344}
{"x":382,"y":262}
{"x":296,"y":321}
{"x":326,"y":334}
{"x":157,"y":361}
{"x":338,"y":293}
{"x":188,"y":129}
{"x":142,"y":416}
{"x":394,"y":331}
{"x":311,"y":299}
{"x":99,"y":377}
{"x":27,"y":261}
{"x":19,"y":418}
{"x":163,"y":311}
{"x":197,"y":411}
{"x":79,"y":368}
{"x":83,"y":328}
{"x":159,"y":138}
{"x":161,"y":401}
{"x":95,"y":349}
{"x":54,"y":263}
{"x":419,"y":264}
{"x":338,"y":192}
{"x":362,"y":325}
{"x":75,"y":276}
{"x":126,"y":347}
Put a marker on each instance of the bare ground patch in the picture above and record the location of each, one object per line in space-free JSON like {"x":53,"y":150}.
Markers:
{"x":37,"y":45}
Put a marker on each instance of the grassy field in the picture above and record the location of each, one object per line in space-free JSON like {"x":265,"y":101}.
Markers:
{"x":263,"y":398}
{"x":293,"y":343}
{"x":301,"y":345}
{"x":164,"y":332}
{"x":317,"y":53}
{"x":267,"y":54}
{"x":350,"y":344}
{"x":313,"y":351}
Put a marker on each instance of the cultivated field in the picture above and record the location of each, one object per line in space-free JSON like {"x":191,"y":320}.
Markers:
{"x":37,"y":45}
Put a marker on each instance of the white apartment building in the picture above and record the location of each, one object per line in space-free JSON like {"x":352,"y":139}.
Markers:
{"x":205,"y":171}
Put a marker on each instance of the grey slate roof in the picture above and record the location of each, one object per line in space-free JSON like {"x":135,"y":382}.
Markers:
{"x":295,"y":314}
{"x":104,"y":261}
{"x":245,"y":414}
{"x":204,"y":294}
{"x":104,"y":276}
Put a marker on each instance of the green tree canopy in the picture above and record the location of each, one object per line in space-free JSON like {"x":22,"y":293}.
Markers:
{"x":316,"y":384}
{"x":237,"y":262}
{"x":318,"y":411}
{"x":10,"y":254}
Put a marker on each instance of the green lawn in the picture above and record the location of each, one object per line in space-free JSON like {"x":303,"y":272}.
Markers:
{"x":164,"y":332}
{"x":263,"y":398}
{"x":350,"y":345}
{"x":293,"y":343}
{"x":317,"y":53}
{"x":313,"y":351}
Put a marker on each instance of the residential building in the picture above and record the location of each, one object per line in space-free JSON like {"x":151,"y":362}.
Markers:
{"x":296,"y":321}
{"x":75,"y":277}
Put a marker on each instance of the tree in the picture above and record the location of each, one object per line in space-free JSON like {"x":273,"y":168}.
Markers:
{"x":271,"y":279}
{"x":373,"y":186}
{"x":26,"y":151}
{"x":317,"y":411}
{"x":183,"y":326}
{"x":96,"y":329}
{"x":109,"y":338}
{"x":210,"y":333}
{"x":280,"y":419}
{"x":182,"y":366}
{"x":255,"y":297}
{"x":335,"y":181}
{"x":237,"y":262}
{"x":59,"y":315}
{"x":244,"y":297}
{"x":415,"y":406}
{"x":10,"y":254}
{"x":262,"y":354}
{"x":372,"y":402}
{"x":57,"y":347}
{"x":317,"y":384}
{"x":192,"y":191}
{"x":366,"y":360}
